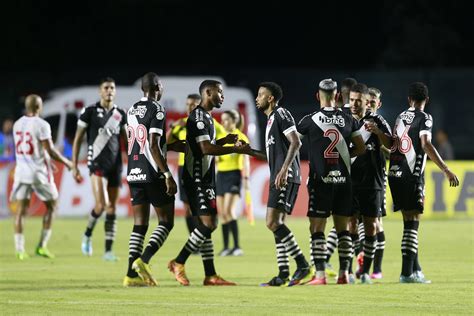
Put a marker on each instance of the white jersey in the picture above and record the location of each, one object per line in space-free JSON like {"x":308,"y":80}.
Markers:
{"x":33,"y":164}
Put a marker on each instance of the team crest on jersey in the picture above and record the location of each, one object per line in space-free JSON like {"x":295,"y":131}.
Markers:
{"x":335,"y":120}
{"x":139,"y":110}
{"x":200,"y":125}
{"x":270,"y":141}
{"x":408,"y":117}
{"x":429,"y":123}
{"x":160,"y":115}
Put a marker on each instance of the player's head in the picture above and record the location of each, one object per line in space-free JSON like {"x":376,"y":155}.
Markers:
{"x":107,"y":89}
{"x":33,"y":104}
{"x":375,"y":101}
{"x":418,"y":94}
{"x":358,"y":98}
{"x":192,"y":101}
{"x":327,"y":92}
{"x":268,"y":95}
{"x":346,"y":86}
{"x":229,"y":120}
{"x":7,"y":126}
{"x":212,"y":93}
{"x":151,"y":85}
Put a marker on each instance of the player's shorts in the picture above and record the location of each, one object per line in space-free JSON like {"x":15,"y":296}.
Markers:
{"x":113,"y":176}
{"x":182,"y":192}
{"x":153,"y":193}
{"x":326,"y":199}
{"x":407,"y":195}
{"x":367,"y":202}
{"x":44,"y":191}
{"x":383,"y":202}
{"x":228,"y":182}
{"x":284,"y":199}
{"x":201,"y":198}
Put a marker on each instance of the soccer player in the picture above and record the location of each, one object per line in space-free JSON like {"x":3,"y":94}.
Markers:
{"x":412,"y":142}
{"x":367,"y":172}
{"x":282,"y":151}
{"x":329,"y":132}
{"x":149,"y":179}
{"x":231,"y":170}
{"x":346,"y":86}
{"x":33,"y":151}
{"x":104,"y":123}
{"x":199,"y":181}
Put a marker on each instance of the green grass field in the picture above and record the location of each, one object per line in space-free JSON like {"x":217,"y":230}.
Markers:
{"x":74,"y":284}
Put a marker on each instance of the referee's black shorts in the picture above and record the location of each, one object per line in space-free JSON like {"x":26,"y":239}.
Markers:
{"x":228,"y":182}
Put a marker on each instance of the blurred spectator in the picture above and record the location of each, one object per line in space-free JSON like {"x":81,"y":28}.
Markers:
{"x":444,"y":147}
{"x":7,"y":145}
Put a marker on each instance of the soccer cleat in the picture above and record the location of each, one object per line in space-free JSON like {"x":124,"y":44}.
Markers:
{"x":317,"y":281}
{"x":330,"y":271}
{"x":365,"y":279}
{"x":109,"y":256}
{"x":178,"y":271}
{"x":407,"y":279}
{"x":144,"y":272}
{"x":225,"y":252}
{"x":217,"y":281}
{"x":133,"y":282}
{"x":376,"y":275}
{"x":237,"y":252}
{"x":302,"y":276}
{"x":344,"y":279}
{"x":22,"y":255}
{"x":419,"y":277}
{"x":276,"y":281}
{"x":86,"y":246}
{"x":44,"y":252}
{"x":352,"y":279}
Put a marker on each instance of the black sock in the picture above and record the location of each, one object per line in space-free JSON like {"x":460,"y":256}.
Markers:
{"x":93,"y":217}
{"x":370,"y":243}
{"x":318,"y":250}
{"x":331,"y":243}
{"x":225,"y":235}
{"x":355,"y":248}
{"x":157,"y":239}
{"x":416,"y":264}
{"x":194,"y":243}
{"x":110,"y":227}
{"x":291,"y":246}
{"x":282,"y":259}
{"x":234,"y":228}
{"x":379,"y":252}
{"x":409,"y":246}
{"x":135,"y":247}
{"x":190,"y":223}
{"x":344,"y":246}
{"x":207,"y":254}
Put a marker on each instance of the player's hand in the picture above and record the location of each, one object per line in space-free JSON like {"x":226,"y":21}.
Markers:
{"x":372,"y":127}
{"x":281,"y":179}
{"x":453,"y":179}
{"x":243,"y":148}
{"x":170,"y":186}
{"x":231,"y":139}
{"x":76,"y":174}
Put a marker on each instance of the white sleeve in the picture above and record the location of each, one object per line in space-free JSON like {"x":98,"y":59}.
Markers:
{"x":44,"y":131}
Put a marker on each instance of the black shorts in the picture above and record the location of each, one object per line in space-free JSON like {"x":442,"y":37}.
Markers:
{"x":201,"y":198}
{"x":367,"y":202}
{"x":182,"y":193}
{"x":407,"y":195}
{"x":228,"y":182}
{"x":113,"y":176}
{"x":283,"y":199}
{"x":150,"y":193}
{"x":383,"y":202}
{"x":325,"y":199}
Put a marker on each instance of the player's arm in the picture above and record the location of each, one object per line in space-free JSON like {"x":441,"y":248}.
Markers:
{"x":161,"y":162}
{"x":293,"y":149}
{"x":260,"y":155}
{"x":431,"y":151}
{"x":216,"y":150}
{"x":76,"y":147}
{"x":382,"y":130}
{"x":178,"y":146}
{"x":359,"y":146}
{"x":55,"y":154}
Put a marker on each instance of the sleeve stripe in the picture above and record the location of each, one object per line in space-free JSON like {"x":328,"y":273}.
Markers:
{"x":425,"y":133}
{"x":82,"y":123}
{"x":356,"y":133}
{"x":202,"y":138}
{"x":155,"y":130}
{"x":289,"y":130}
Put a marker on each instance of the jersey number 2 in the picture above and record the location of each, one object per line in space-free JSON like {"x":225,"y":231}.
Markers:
{"x":24,"y":139}
{"x":139,"y":134}
{"x":329,"y":152}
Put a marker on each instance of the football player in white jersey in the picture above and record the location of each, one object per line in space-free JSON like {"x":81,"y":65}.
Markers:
{"x":33,"y":150}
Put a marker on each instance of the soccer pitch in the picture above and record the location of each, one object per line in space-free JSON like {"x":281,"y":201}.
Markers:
{"x":74,"y":284}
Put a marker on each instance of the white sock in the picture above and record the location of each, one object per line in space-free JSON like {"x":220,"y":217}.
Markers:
{"x":20,"y":242}
{"x":45,"y":235}
{"x":320,"y":274}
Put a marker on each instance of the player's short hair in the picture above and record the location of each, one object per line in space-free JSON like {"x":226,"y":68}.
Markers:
{"x":274,"y":89}
{"x":233,"y":114}
{"x":360,"y":88}
{"x":106,"y":79}
{"x":348,"y":83}
{"x":418,"y":91}
{"x":194,"y":96}
{"x":208,"y":84}
{"x":150,"y":81}
{"x":375,"y":92}
{"x":328,"y":85}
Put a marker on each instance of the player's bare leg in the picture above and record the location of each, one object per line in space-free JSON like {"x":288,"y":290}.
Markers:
{"x":317,"y":226}
{"x":370,"y":243}
{"x":42,"y":248}
{"x":377,"y":271}
{"x":22,"y":207}
{"x":110,"y":224}
{"x":344,"y":247}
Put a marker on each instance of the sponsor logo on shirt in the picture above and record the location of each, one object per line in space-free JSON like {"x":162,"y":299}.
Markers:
{"x":109,"y":131}
{"x":136,"y":175}
{"x":270,"y":141}
{"x":139,"y":110}
{"x":335,"y":177}
{"x":395,"y":172}
{"x":335,"y":120}
{"x":407,"y":116}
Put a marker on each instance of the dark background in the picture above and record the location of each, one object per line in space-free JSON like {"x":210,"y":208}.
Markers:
{"x":48,"y":45}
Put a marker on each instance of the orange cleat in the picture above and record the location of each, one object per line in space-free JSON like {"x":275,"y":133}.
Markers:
{"x":317,"y":281}
{"x":178,"y":271}
{"x":216,"y":280}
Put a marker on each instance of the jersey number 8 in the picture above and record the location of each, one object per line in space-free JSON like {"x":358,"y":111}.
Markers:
{"x":138,"y":133}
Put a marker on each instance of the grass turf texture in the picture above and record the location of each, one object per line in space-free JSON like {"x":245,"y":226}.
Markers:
{"x":74,"y":284}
